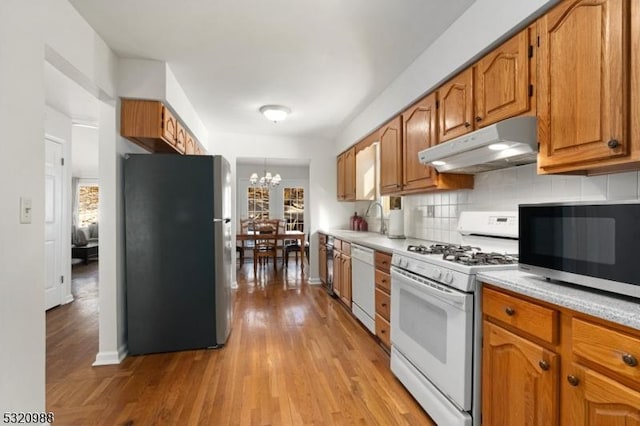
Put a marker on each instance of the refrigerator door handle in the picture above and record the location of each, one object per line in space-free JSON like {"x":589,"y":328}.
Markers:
{"x":225,"y":220}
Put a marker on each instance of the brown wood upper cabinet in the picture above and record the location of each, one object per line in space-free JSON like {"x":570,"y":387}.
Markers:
{"x":181,"y":137}
{"x":455,"y":99}
{"x":419,"y":132}
{"x":584,"y":78}
{"x":190,"y":145}
{"x":340,"y":180}
{"x":350,"y":174}
{"x":391,"y":157}
{"x":151,"y":125}
{"x":503,"y":86}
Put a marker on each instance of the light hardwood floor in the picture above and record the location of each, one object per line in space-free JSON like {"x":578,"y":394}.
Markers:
{"x":295,"y":356}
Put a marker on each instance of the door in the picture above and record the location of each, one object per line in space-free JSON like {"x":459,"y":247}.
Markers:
{"x":583,"y":78}
{"x":350,"y":174}
{"x":519,"y":380}
{"x":53,"y":223}
{"x":341,"y":182}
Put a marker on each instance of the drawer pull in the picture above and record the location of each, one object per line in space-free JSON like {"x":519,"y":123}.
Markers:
{"x":573,"y":380}
{"x":383,"y":331}
{"x":383,"y":304}
{"x":509,"y":311}
{"x":630,"y":360}
{"x":384,"y":280}
{"x":544,"y":365}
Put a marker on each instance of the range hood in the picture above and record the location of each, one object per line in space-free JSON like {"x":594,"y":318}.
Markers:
{"x":508,"y":143}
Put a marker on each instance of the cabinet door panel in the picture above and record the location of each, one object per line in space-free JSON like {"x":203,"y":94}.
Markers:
{"x":341,"y":183}
{"x":516,"y":390}
{"x":190,"y":145}
{"x":600,"y":401}
{"x":502,"y":81}
{"x":345,"y":280}
{"x":350,"y":174}
{"x":583,"y":76}
{"x":391,"y":157}
{"x":456,"y":106}
{"x":419,"y":133}
{"x":169,"y":126}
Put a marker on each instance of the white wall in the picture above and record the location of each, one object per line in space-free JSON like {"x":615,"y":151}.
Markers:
{"x":504,"y":190}
{"x":292,"y":176}
{"x":84,"y":151}
{"x":89,"y":61}
{"x":178,"y":100}
{"x":22,"y":328}
{"x":58,"y":126}
{"x":324,"y":209}
{"x":485,"y":22}
{"x":150,"y":79}
{"x":74,"y":48}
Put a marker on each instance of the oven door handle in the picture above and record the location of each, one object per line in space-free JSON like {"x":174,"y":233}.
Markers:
{"x":427,"y":286}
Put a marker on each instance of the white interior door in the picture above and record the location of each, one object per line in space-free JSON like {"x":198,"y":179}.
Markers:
{"x":53,"y":224}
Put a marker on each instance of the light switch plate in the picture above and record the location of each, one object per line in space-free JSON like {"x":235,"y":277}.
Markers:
{"x":25,"y":210}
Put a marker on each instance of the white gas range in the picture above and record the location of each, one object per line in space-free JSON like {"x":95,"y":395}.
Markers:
{"x":436,"y":316}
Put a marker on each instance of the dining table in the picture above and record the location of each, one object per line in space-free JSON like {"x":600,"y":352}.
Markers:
{"x":287,"y":235}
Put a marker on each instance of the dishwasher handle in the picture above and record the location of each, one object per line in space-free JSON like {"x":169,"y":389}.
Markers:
{"x":362,"y":253}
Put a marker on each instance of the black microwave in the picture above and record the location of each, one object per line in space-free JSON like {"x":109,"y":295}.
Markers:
{"x":594,"y":244}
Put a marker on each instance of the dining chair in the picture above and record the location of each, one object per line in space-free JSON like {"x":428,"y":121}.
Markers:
{"x":245,"y":225}
{"x":265,"y":248}
{"x":295,"y":248}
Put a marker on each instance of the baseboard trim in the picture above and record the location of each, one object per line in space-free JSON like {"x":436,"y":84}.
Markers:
{"x":234,"y":285}
{"x":314,"y":281}
{"x":68,"y":299}
{"x":111,"y":357}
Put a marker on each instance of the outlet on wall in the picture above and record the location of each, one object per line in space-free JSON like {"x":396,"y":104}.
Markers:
{"x":431,"y":211}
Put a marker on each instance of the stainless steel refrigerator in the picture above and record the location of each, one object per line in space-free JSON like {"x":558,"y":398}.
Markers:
{"x":178,"y":252}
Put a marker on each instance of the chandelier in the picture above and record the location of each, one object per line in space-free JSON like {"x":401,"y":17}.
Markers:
{"x":267,"y":179}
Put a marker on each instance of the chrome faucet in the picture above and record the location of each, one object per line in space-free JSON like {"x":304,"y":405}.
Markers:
{"x":374,"y":203}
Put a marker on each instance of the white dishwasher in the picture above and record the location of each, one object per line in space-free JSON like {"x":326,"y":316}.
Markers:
{"x":363,"y":285}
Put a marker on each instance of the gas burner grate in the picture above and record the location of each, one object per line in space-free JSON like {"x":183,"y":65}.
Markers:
{"x":443,"y":249}
{"x":480,"y":258}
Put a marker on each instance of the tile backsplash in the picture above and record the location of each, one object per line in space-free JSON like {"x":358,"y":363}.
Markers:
{"x":435,"y":216}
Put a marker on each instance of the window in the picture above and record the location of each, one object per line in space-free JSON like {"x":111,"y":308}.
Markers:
{"x":88,"y":197}
{"x":294,"y":208}
{"x":258,"y":203}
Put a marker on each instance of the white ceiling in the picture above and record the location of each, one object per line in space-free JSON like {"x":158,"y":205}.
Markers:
{"x":326,"y":60}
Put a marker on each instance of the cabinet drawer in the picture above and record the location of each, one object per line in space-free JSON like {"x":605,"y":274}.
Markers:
{"x":383,"y":281}
{"x":528,"y":317}
{"x":346,"y":248}
{"x":383,"y":330}
{"x":383,"y":304}
{"x":337,"y":244}
{"x":609,"y":348}
{"x":383,"y":261}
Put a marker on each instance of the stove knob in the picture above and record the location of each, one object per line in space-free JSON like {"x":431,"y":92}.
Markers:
{"x":437,"y":273}
{"x":404,"y":263}
{"x":448,"y":277}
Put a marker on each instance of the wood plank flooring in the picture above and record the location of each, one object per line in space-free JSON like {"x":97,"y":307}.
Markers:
{"x":295,"y":356}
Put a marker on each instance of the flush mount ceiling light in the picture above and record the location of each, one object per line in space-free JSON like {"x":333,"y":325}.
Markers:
{"x":438,"y":163}
{"x":275,"y":113}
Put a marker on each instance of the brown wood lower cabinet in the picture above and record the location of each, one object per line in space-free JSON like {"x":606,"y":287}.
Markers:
{"x":519,"y":380}
{"x":342,"y":271}
{"x":383,"y":297}
{"x":568,"y":369}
